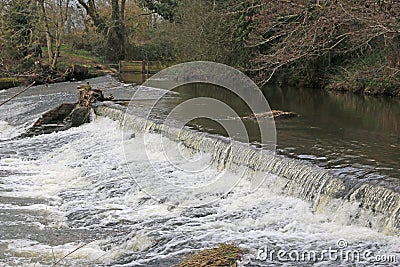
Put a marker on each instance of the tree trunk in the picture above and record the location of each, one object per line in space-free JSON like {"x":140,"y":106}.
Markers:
{"x":62,"y":17}
{"x":123,"y":29}
{"x":116,"y":36}
{"x":49,"y":38}
{"x":114,"y":33}
{"x":123,"y":4}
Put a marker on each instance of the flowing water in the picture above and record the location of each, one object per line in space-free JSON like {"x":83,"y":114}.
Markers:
{"x":334,"y":184}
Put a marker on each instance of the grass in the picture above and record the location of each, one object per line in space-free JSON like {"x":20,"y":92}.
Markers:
{"x":70,"y":56}
{"x":224,"y":255}
{"x":84,"y":54}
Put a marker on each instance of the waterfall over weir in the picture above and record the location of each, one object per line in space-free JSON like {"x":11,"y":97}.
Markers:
{"x":371,"y":205}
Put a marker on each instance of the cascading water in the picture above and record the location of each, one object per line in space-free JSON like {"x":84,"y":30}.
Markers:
{"x":295,"y":178}
{"x":74,"y":190}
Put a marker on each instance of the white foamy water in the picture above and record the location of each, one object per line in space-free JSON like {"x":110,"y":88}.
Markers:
{"x":6,"y":130}
{"x":63,"y":190}
{"x":83,"y":186}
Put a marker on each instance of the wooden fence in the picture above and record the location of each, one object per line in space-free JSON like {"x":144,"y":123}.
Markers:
{"x":139,"y":71}
{"x":145,"y":67}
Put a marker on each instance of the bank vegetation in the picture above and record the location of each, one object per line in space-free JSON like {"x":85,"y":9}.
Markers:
{"x":349,"y":45}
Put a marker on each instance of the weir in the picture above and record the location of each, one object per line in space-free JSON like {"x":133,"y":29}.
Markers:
{"x":372,"y":205}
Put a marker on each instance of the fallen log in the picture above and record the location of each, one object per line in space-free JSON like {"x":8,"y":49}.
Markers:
{"x":273,"y":114}
{"x":87,"y":95}
{"x":17,"y":94}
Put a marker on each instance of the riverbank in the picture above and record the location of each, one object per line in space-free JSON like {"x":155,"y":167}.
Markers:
{"x":48,"y":76}
{"x":379,"y":89}
{"x":369,"y":75}
{"x":8,"y":82}
{"x":372,"y":73}
{"x":360,"y":77}
{"x":73,"y":64}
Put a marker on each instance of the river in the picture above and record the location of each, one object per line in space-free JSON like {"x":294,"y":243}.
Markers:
{"x":73,"y":190}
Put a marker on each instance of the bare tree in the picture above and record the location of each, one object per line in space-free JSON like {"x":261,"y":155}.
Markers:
{"x":205,"y":30}
{"x":288,"y":32}
{"x":54,"y":14}
{"x":49,"y":37}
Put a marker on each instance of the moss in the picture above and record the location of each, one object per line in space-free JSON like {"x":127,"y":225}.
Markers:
{"x":8,"y":79}
{"x":224,"y":255}
{"x":9,"y":82}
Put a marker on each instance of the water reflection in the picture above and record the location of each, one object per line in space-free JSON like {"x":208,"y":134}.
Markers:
{"x":355,"y":136}
{"x":336,"y":110}
{"x":133,"y":77}
{"x":203,"y":90}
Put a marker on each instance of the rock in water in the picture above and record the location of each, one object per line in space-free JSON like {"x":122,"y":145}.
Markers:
{"x":79,"y":116}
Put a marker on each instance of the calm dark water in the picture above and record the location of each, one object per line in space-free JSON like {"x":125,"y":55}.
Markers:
{"x":354,"y":136}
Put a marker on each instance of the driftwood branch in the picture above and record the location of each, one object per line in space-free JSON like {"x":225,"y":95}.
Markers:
{"x":19,"y":93}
